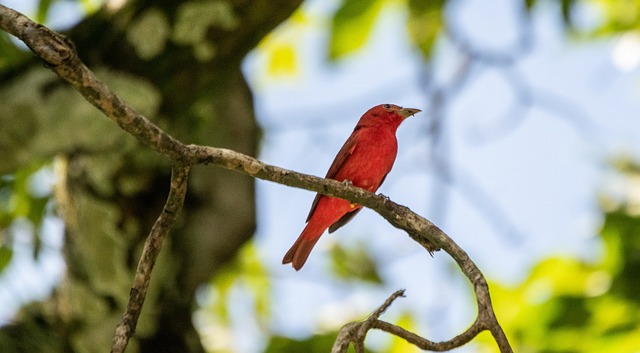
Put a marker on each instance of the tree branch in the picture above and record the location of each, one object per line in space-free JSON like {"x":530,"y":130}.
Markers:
{"x":152,"y":246}
{"x":59,"y":54}
{"x":356,"y":332}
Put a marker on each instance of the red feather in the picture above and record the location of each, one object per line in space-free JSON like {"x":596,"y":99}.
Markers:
{"x":365,"y":160}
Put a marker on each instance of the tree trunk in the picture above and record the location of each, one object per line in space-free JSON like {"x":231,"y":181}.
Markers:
{"x":179,"y":64}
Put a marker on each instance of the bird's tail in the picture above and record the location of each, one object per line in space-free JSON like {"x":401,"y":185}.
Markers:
{"x":301,"y":249}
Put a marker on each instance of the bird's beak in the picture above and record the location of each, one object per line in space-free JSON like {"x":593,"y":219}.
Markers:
{"x":407,"y":112}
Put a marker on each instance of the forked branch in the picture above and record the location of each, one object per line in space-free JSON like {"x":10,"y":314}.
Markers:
{"x":356,"y":332}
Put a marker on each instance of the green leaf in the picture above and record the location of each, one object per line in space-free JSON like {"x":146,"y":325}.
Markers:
{"x":529,"y":4}
{"x":10,"y":55}
{"x":617,"y":17}
{"x":221,"y":288}
{"x":256,"y":278}
{"x":282,"y":60}
{"x":43,"y":10}
{"x":313,"y":344}
{"x":5,"y":257}
{"x":19,"y":200}
{"x":352,"y":25}
{"x":354,"y":264}
{"x":250,"y":274}
{"x":425,"y":23}
{"x":621,"y":234}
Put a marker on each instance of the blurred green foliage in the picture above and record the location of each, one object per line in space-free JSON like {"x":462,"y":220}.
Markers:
{"x":323,"y":342}
{"x":353,"y":23}
{"x":425,"y":23}
{"x":399,"y":345}
{"x":43,"y":10}
{"x":572,"y":305}
{"x":10,"y":54}
{"x":22,"y":200}
{"x":360,"y":267}
{"x":314,"y":344}
{"x":617,"y":16}
{"x":6,"y":253}
{"x":246,"y":270}
{"x":14,"y":53}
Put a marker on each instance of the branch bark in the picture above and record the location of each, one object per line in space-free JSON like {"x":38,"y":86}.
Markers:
{"x":152,"y":246}
{"x":59,"y":54}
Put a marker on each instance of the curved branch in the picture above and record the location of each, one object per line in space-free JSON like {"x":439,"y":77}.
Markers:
{"x":59,"y":54}
{"x":356,"y":332}
{"x":426,"y":344}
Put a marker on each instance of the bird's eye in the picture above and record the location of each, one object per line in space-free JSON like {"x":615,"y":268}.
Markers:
{"x":387,"y":106}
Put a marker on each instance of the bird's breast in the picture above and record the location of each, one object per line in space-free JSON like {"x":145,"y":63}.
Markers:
{"x":371,"y":160}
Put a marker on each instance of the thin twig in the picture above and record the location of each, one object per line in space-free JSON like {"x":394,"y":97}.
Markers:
{"x":356,"y":332}
{"x":387,"y":303}
{"x":152,"y":246}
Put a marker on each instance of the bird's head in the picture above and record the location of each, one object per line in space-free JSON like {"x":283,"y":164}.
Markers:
{"x":386,"y":114}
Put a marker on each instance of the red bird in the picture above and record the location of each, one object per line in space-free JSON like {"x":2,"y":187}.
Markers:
{"x":364,"y":160}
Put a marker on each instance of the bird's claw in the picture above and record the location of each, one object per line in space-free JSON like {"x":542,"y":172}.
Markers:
{"x":347,"y":182}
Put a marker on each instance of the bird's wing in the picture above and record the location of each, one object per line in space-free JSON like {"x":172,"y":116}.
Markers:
{"x":341,"y":157}
{"x":344,"y":220}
